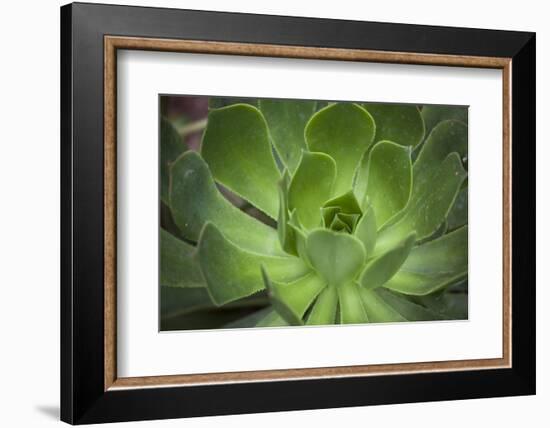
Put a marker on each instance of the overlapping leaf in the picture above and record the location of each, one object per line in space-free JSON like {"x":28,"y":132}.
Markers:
{"x":237,"y":149}
{"x":287,"y":120}
{"x":195,"y":200}
{"x":292,"y":299}
{"x":344,"y":131}
{"x":179,"y":267}
{"x":400,"y":123}
{"x":311,"y":187}
{"x":386,"y":179}
{"x":336,"y":257}
{"x":433,"y":265}
{"x":232,"y":273}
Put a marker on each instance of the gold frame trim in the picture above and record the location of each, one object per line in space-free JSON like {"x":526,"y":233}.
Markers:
{"x":113,"y":43}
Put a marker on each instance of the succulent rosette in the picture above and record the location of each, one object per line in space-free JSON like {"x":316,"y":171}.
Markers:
{"x":363,"y":214}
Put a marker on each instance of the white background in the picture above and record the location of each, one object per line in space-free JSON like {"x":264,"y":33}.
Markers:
{"x":142,"y":351}
{"x":29,"y":219}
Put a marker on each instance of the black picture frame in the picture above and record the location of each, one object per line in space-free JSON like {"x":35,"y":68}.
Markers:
{"x":83,"y":396}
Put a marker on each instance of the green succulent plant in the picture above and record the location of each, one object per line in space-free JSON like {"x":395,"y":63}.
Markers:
{"x":363,"y":215}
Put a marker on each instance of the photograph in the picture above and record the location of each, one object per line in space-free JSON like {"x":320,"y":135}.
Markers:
{"x":293,"y":212}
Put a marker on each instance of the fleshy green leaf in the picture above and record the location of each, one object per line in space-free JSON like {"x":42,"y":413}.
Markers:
{"x":231,"y":272}
{"x":237,"y":149}
{"x":383,"y":267}
{"x":433,"y":265}
{"x":179,"y":267}
{"x":448,"y":137}
{"x":366,"y":230}
{"x":386,"y":179}
{"x":292,"y":300}
{"x":435,"y":114}
{"x":377,"y":309}
{"x":195,"y":200}
{"x":458,"y":216}
{"x":299,"y":237}
{"x":286,"y":120}
{"x":171,"y":146}
{"x":311,"y":186}
{"x":351,"y":306}
{"x":400,"y":123}
{"x":344,"y":131}
{"x":427,"y":207}
{"x":409,"y":310}
{"x":287,"y":236}
{"x":337,"y":257}
{"x":324,"y":308}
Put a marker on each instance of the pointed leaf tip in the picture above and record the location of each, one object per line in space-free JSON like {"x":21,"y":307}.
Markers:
{"x":381,"y":269}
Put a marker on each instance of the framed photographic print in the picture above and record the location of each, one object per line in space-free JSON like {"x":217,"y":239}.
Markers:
{"x":312,"y":226}
{"x":265,"y":213}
